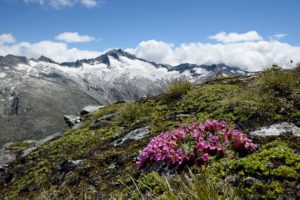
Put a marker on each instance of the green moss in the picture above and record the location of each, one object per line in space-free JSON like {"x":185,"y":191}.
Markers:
{"x":285,"y":172}
{"x":273,"y":160}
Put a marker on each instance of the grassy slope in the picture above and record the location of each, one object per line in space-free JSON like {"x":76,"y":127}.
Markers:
{"x":247,"y":103}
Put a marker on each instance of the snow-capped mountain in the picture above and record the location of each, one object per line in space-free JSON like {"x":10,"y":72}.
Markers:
{"x":36,"y":93}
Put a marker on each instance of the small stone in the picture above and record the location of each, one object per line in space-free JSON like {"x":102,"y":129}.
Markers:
{"x":69,"y":165}
{"x":89,"y":109}
{"x":97,"y":125}
{"x":108,"y":117}
{"x":233,"y":179}
{"x":249,"y":181}
{"x":112,"y":166}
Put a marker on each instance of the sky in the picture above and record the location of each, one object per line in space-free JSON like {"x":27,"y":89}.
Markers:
{"x":248,"y":33}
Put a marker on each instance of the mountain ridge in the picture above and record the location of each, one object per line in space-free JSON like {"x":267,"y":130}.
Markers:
{"x":32,"y":87}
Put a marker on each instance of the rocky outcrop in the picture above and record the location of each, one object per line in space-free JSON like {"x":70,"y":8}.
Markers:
{"x":275,"y":130}
{"x":12,"y":151}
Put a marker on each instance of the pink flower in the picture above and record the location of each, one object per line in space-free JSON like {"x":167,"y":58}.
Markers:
{"x":183,"y":144}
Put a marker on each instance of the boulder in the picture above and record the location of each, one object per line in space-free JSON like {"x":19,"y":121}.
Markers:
{"x":275,"y":130}
{"x":71,"y":120}
{"x":89,"y":109}
{"x":136,"y":134}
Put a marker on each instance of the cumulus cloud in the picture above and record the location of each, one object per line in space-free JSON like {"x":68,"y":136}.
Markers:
{"x":7,"y":38}
{"x":236,"y":37}
{"x":57,"y":51}
{"x":252,"y":56}
{"x":58,"y":4}
{"x":72,"y":37}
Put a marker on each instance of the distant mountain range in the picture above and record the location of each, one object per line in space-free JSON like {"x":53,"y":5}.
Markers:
{"x":35,"y":94}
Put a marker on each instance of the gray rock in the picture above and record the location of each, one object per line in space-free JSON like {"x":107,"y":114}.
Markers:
{"x":9,"y":155}
{"x":232,"y":179}
{"x":71,"y":120}
{"x":182,"y":115}
{"x":277,"y":130}
{"x":89,"y":109}
{"x":108,"y":117}
{"x":249,"y":181}
{"x":98,"y":124}
{"x":69,"y":165}
{"x":136,"y":134}
{"x":40,"y":143}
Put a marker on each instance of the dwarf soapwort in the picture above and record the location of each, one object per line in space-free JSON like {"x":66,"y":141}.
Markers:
{"x":194,"y":143}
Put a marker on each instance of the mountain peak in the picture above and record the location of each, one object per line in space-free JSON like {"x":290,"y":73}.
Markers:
{"x":10,"y":60}
{"x":46,"y":59}
{"x":119,"y":52}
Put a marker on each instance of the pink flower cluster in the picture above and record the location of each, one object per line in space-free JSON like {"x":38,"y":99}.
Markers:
{"x":194,"y":143}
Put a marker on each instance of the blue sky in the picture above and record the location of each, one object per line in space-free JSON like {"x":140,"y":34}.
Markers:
{"x":126,"y":23}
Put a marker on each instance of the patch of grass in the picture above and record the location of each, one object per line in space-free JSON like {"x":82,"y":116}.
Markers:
{"x":131,"y":112}
{"x":297,"y":70}
{"x":181,"y":186}
{"x":276,"y":80}
{"x":177,"y":88}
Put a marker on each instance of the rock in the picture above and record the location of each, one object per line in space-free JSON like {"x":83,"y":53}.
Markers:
{"x":112,"y":166}
{"x":71,"y":120}
{"x":70,"y":178}
{"x":108,"y":117}
{"x":40,"y":143}
{"x":98,"y":124}
{"x":69,"y":165}
{"x":2,"y":169}
{"x":233,"y":179}
{"x":136,"y":134}
{"x":279,"y":129}
{"x":182,"y":116}
{"x":249,"y":181}
{"x":7,"y":155}
{"x":89,"y":109}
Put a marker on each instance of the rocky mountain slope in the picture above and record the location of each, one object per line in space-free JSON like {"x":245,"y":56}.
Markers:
{"x":97,"y":159}
{"x":36,"y":94}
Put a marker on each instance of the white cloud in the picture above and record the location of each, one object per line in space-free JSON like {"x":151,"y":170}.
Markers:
{"x":279,"y":36}
{"x":236,"y":37}
{"x":89,"y":3}
{"x":74,"y":37}
{"x":57,"y":51}
{"x":7,"y":38}
{"x":58,"y":4}
{"x":253,"y":56}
